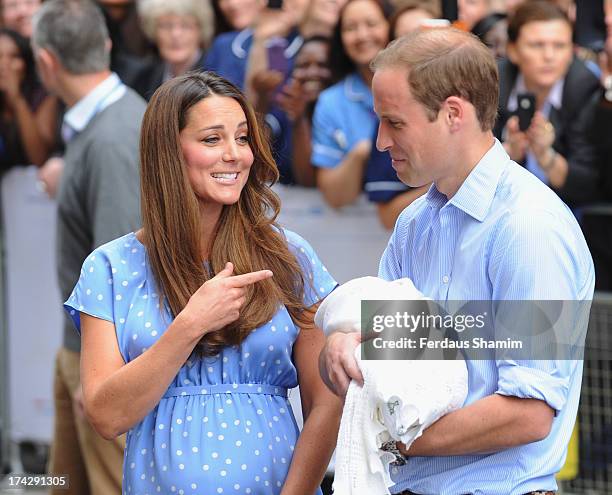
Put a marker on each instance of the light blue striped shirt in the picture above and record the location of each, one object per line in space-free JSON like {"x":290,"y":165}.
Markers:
{"x":503,"y":236}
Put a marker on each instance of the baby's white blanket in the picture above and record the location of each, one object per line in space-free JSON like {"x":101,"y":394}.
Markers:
{"x":399,"y":399}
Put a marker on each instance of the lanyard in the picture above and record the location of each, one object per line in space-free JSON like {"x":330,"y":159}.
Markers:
{"x":101,"y":105}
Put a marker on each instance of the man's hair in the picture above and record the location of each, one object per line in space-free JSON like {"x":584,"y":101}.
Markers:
{"x":534,"y":11}
{"x":446,"y":62}
{"x":75,"y":32}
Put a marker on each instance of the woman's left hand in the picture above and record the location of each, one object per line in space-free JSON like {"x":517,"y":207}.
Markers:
{"x":10,"y":81}
{"x":541,"y":135}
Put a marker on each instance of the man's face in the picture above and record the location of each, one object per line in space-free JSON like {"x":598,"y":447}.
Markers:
{"x":543,"y":52}
{"x":416,"y":144}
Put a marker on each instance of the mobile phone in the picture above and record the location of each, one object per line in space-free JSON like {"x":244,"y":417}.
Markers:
{"x":275,"y":4}
{"x":525,"y":109}
{"x":277,"y":59}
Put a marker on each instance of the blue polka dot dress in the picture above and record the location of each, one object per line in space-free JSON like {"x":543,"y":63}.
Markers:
{"x":225,"y":425}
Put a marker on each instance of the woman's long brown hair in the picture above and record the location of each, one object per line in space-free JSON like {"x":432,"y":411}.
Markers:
{"x":246,"y":233}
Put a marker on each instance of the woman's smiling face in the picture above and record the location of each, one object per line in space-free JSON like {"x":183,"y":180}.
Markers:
{"x":216,"y":149}
{"x":364,"y":30}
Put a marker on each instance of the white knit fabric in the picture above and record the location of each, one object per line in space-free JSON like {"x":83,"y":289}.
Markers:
{"x":398,"y":400}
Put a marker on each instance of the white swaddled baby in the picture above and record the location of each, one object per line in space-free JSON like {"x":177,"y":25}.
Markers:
{"x":398,"y":400}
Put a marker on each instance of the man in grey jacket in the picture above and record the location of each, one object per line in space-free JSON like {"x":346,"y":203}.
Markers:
{"x":98,"y":200}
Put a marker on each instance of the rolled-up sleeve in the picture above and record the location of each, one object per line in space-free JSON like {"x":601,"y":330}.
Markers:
{"x":547,"y":381}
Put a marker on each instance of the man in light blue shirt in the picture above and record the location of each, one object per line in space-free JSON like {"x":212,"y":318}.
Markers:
{"x":487,"y":230}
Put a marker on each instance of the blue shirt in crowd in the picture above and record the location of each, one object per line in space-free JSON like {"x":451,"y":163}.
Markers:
{"x":503,"y":236}
{"x":343,"y":116}
{"x":381,"y":181}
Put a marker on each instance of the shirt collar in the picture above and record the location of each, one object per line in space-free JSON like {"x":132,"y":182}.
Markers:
{"x":238,"y":43}
{"x":86,"y":108}
{"x":476,"y":194}
{"x":241,"y":43}
{"x":356,"y":89}
{"x":554,"y":99}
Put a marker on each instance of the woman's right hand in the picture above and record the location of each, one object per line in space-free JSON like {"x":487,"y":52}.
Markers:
{"x":218,"y":301}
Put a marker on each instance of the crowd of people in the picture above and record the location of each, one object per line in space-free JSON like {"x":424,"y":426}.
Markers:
{"x":317,"y":105}
{"x":159,"y":125}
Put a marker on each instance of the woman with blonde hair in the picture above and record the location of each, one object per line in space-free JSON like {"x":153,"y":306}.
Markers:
{"x":182,"y":31}
{"x":194,"y":328}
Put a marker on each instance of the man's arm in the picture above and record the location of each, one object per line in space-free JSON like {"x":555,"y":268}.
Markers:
{"x":491,"y":424}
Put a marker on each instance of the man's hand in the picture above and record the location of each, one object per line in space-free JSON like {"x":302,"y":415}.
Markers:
{"x":337,"y":363}
{"x":49,"y":175}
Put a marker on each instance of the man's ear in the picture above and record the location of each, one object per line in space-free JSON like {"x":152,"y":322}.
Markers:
{"x":454,"y":112}
{"x":46,"y":61}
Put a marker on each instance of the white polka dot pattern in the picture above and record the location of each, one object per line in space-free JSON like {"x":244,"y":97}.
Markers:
{"x":230,"y":442}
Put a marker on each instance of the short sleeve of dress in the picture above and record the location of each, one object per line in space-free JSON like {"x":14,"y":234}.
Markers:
{"x":319,"y":282}
{"x":93,"y":293}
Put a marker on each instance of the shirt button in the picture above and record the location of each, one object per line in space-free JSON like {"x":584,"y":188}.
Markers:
{"x":445,"y":279}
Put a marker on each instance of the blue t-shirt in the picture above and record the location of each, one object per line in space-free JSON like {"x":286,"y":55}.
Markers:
{"x":381,"y":181}
{"x":228,"y":55}
{"x":343,"y":116}
{"x":225,"y":424}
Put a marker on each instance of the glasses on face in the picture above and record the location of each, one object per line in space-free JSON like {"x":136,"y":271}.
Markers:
{"x":184,"y":25}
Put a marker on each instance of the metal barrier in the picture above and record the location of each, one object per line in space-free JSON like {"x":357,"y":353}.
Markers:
{"x":28,"y":338}
{"x":595,"y":410}
{"x":4,"y":406}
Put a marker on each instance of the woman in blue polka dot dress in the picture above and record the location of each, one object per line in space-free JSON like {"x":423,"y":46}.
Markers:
{"x":189,"y":353}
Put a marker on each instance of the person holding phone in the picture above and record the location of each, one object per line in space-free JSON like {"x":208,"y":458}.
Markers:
{"x":195,"y":326}
{"x":597,"y":223}
{"x":541,"y":68}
